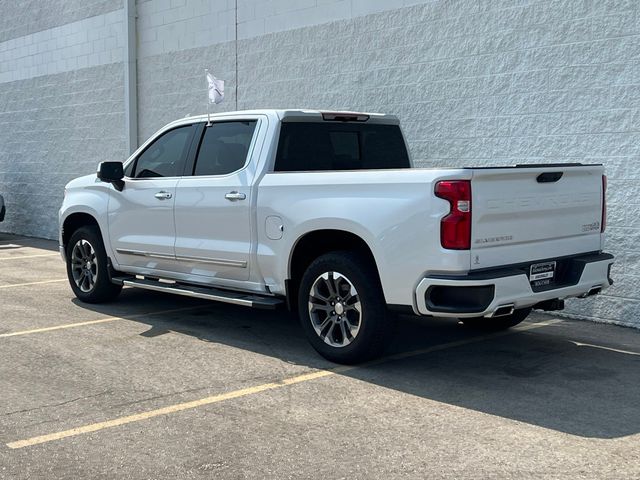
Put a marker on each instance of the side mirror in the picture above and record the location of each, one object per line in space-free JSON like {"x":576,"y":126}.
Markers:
{"x":111,"y":172}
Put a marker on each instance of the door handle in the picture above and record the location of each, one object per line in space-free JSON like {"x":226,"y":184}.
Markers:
{"x":162,"y":195}
{"x":233,"y":196}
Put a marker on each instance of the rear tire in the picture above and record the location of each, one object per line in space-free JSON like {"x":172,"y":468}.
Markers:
{"x":498,"y":323}
{"x":342,"y":308}
{"x":88,"y":268}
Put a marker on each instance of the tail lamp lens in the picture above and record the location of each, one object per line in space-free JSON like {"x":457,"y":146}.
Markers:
{"x":455,"y":227}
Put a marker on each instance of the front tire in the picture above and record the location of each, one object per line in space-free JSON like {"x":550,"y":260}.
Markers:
{"x":498,"y":323}
{"x":87,"y":267}
{"x":342,"y":308}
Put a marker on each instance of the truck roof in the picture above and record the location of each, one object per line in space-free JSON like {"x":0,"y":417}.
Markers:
{"x":306,"y":115}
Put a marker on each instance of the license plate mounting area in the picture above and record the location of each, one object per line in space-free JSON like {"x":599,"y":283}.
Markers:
{"x":541,"y":274}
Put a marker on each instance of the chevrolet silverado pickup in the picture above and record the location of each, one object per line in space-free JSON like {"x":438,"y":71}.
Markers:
{"x":324,"y":212}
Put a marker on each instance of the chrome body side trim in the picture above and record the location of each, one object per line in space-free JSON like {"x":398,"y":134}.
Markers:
{"x":140,"y":253}
{"x":214,"y":261}
{"x":185,"y":258}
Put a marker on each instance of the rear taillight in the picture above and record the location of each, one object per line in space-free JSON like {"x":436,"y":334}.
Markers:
{"x":603,"y":224}
{"x":455,"y":227}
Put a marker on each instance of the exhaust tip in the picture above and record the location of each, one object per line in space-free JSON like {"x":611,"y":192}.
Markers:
{"x":503,"y":310}
{"x":594,"y":291}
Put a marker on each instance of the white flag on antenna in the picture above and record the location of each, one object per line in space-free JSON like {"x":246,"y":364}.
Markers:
{"x":216,"y":89}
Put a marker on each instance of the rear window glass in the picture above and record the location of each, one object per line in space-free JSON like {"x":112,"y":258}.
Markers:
{"x":325,"y":146}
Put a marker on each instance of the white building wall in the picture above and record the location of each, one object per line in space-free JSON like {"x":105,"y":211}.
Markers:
{"x":86,"y":43}
{"x":61,"y":104}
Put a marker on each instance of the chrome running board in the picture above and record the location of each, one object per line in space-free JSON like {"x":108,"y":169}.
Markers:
{"x":207,"y":293}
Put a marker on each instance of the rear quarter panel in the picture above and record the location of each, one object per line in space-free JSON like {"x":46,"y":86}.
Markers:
{"x":393,"y":211}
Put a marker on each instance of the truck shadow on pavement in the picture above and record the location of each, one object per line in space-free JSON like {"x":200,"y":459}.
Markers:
{"x":15,"y":242}
{"x":574,"y":377}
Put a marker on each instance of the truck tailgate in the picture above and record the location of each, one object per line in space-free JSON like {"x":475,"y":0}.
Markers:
{"x":523,"y":214}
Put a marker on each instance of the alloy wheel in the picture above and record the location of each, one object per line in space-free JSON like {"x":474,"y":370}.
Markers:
{"x":335,"y":309}
{"x":84,"y":265}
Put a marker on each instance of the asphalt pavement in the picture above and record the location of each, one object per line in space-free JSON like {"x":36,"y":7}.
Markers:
{"x":157,"y":386}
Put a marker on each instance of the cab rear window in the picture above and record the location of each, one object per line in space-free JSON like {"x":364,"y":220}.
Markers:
{"x":326,"y":146}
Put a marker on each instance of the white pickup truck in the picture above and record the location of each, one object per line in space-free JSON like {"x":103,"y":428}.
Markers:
{"x":324,"y":212}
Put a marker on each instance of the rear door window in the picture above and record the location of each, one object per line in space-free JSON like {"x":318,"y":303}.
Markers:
{"x":322,"y":146}
{"x":224,"y":147}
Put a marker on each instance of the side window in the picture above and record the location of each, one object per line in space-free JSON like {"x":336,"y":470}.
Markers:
{"x":224,"y":147}
{"x":164,"y":157}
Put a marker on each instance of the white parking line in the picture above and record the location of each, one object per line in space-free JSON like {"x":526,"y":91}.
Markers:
{"x":93,"y":322}
{"x":305,"y":377}
{"x":601,"y":347}
{"x":33,"y":283}
{"x":58,"y":327}
{"x":19,"y":257}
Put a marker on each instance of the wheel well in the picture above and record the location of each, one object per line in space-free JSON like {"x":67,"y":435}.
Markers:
{"x":319,"y":242}
{"x":73,"y":222}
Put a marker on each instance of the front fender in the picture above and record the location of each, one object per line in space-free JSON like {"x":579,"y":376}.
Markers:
{"x":91,"y":200}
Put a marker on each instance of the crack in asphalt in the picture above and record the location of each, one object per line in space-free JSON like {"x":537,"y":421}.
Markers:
{"x":53,"y":405}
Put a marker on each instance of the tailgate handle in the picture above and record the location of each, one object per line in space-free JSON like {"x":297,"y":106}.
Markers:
{"x":549,"y":177}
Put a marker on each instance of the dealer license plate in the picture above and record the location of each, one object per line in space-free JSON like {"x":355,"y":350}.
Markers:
{"x":542,"y":273}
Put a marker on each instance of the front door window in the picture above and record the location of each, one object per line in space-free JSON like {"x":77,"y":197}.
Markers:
{"x":163,"y":158}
